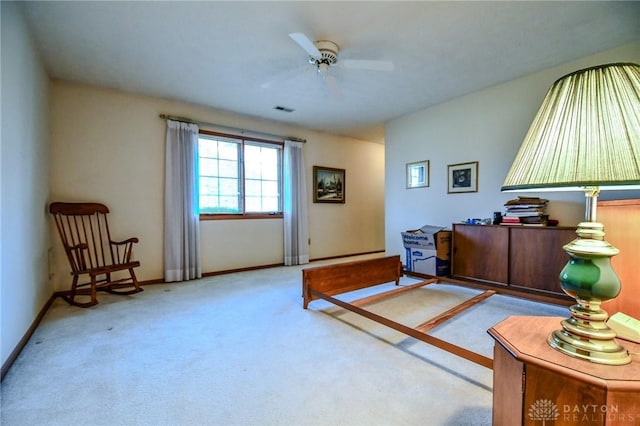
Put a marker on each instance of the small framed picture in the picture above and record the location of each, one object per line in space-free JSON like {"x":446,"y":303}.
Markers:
{"x":328,"y":185}
{"x":462,"y":177}
{"x":418,"y":174}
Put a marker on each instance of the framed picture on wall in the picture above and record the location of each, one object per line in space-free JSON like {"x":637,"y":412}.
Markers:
{"x":328,"y":185}
{"x":462,"y":177}
{"x":418,"y":174}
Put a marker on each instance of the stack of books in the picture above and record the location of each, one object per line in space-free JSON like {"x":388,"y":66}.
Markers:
{"x":530,"y":211}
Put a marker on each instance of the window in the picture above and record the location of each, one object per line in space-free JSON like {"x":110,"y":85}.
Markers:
{"x":239,"y":176}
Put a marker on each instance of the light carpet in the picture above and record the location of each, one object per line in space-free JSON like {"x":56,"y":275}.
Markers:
{"x":238,"y":349}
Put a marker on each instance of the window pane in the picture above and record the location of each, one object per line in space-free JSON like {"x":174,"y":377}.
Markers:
{"x":219,"y":175}
{"x":252,"y":188}
{"x":270,"y":204}
{"x":228,"y":168}
{"x":270,"y":172}
{"x":262,"y":177}
{"x":229,"y":205}
{"x":207,"y":147}
{"x":209,"y":186}
{"x":208,"y":166}
{"x":228,"y":150}
{"x":208,"y":203}
{"x":253,"y":204}
{"x":274,"y":169}
{"x":229,"y":187}
{"x":270,"y":156}
{"x":252,"y":171}
{"x":270,"y":189}
{"x":252,"y":154}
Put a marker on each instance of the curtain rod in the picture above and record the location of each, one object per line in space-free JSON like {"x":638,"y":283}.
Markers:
{"x":231,"y":129}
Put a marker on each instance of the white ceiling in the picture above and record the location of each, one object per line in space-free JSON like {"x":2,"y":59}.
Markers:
{"x":220,"y":54}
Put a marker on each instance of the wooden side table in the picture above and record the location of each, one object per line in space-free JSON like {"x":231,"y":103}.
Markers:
{"x":534,"y":384}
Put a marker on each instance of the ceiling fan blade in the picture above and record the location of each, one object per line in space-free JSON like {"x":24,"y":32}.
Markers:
{"x":332,"y":85}
{"x":306,"y":44}
{"x":330,"y":82}
{"x":285,"y":76}
{"x":365,"y":64}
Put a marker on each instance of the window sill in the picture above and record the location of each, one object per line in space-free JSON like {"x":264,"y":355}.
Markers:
{"x":241,"y":216}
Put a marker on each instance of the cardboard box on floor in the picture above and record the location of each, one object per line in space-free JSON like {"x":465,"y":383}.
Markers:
{"x":428,"y":250}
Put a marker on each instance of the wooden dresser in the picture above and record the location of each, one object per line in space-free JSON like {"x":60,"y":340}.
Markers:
{"x":520,"y":260}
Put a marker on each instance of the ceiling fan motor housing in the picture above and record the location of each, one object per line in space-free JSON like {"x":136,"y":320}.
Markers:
{"x":329,"y":51}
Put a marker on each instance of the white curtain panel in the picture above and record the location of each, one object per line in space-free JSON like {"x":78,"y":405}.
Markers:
{"x":181,"y":203}
{"x":296,"y":222}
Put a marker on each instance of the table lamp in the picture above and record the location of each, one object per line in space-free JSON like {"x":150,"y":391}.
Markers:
{"x":586,"y":136}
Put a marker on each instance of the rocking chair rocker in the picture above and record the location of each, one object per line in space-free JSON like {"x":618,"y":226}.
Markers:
{"x":84,"y":231}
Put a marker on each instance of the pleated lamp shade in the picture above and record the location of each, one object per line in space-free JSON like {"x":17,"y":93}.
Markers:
{"x":586,"y":134}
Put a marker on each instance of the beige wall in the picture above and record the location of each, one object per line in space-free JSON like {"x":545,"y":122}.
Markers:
{"x":108,"y":146}
{"x":24,"y":155}
{"x":487,"y":126}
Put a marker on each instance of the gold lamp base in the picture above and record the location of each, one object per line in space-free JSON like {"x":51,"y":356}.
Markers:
{"x":589,"y":278}
{"x":586,"y":336}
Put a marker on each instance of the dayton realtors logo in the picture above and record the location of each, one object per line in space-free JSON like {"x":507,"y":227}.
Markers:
{"x":545,"y":410}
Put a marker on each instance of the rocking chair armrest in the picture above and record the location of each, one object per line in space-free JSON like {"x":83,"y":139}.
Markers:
{"x":81,"y":246}
{"x":123,"y":250}
{"x":127,"y":241}
{"x":76,"y":256}
{"x":78,"y":250}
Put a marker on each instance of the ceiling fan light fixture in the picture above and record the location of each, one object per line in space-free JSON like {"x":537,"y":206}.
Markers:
{"x":328,"y":53}
{"x":323,"y":68}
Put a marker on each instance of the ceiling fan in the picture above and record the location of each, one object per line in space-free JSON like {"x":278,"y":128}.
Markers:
{"x":323,"y":54}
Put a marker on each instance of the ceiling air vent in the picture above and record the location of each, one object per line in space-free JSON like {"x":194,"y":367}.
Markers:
{"x":283,"y":108}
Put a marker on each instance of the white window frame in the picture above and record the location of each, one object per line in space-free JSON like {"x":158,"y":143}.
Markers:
{"x":242,"y":142}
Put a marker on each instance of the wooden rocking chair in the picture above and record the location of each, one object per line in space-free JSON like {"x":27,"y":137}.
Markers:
{"x":84,"y":232}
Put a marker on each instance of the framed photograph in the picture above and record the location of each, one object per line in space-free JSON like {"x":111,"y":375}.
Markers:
{"x":328,"y":185}
{"x":462,"y":177}
{"x":418,"y":174}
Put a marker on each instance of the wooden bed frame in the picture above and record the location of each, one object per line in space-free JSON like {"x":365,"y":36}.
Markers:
{"x":323,"y":282}
{"x":351,"y":276}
